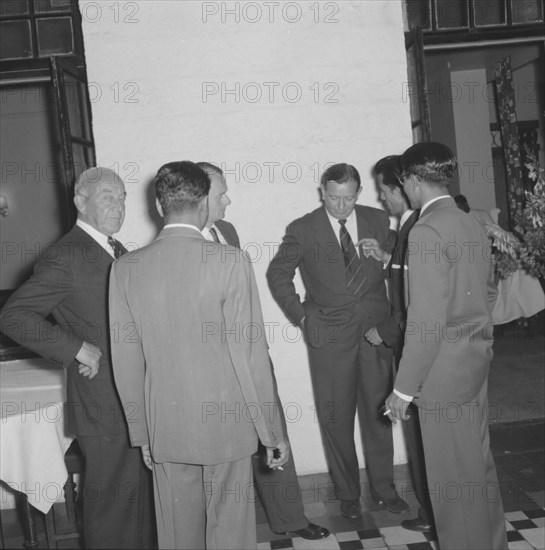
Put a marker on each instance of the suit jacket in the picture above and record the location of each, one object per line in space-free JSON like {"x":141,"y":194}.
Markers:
{"x":196,"y":381}
{"x":229,"y":232}
{"x":391,"y":329}
{"x":448,"y":339}
{"x":311,"y":245}
{"x":70,"y":281}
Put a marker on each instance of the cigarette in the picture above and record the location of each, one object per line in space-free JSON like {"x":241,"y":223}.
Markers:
{"x":387,"y":411}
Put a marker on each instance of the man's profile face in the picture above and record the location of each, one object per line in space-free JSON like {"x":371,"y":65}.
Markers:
{"x":218,"y":200}
{"x":102,"y":206}
{"x":340,"y":198}
{"x":391,"y":198}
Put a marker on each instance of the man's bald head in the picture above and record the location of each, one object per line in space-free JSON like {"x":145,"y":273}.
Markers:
{"x":100,"y":199}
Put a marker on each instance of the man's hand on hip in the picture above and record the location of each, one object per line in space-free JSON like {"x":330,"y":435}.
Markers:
{"x":373,"y":337}
{"x":88,"y":358}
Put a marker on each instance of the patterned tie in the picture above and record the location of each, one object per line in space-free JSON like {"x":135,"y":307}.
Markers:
{"x":214,"y":234}
{"x":115,"y":246}
{"x":352,"y":263}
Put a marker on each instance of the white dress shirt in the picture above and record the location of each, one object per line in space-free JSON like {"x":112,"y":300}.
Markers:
{"x":351,"y":226}
{"x":207,"y":234}
{"x":99,"y":237}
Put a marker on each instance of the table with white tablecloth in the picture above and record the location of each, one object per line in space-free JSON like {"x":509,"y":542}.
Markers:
{"x":33,"y":439}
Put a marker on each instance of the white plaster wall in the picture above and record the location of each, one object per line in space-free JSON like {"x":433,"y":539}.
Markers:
{"x":146,"y":81}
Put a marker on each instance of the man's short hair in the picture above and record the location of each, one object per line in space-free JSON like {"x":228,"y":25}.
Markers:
{"x":179,"y":186}
{"x":92,"y":176}
{"x":210,"y":168}
{"x":340,"y":173}
{"x":391,"y":170}
{"x":432,"y":162}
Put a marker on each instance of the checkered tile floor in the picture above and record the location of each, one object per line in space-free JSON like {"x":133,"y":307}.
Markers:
{"x":525,"y":531}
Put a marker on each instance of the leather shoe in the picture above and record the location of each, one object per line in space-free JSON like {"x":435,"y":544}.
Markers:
{"x":311,"y":532}
{"x":416,"y":524}
{"x":396,"y":505}
{"x":351,"y":508}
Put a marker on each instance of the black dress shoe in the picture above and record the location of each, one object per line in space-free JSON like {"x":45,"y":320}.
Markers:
{"x":416,"y":524}
{"x":351,"y":509}
{"x":396,"y":504}
{"x":311,"y":532}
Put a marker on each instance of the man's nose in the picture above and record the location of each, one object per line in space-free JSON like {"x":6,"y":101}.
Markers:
{"x":227,"y":200}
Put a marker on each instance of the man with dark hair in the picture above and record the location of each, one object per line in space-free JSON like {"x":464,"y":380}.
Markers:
{"x":198,"y":393}
{"x":388,"y":174}
{"x":346,"y":296}
{"x":447,"y":353}
{"x":70,"y":282}
{"x":275,"y":487}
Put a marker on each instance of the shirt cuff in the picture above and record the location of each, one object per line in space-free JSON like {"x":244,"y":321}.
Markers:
{"x":386,"y":262}
{"x":403,"y":396}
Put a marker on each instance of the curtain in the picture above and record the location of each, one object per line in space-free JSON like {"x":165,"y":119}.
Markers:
{"x":507,"y":117}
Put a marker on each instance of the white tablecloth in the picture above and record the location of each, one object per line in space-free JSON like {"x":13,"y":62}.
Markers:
{"x":519,"y":295}
{"x":32,"y":434}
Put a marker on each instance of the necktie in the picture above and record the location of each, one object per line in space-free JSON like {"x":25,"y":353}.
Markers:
{"x":115,"y":246}
{"x":214,"y":234}
{"x":352,"y":263}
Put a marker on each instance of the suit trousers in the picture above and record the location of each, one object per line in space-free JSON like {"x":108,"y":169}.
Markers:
{"x":201,"y":506}
{"x":348,"y":374}
{"x":464,"y":490}
{"x":117,"y":494}
{"x":279,"y":490}
{"x":415,"y":451}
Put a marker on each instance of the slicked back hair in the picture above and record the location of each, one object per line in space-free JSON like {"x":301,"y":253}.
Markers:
{"x":179,"y":186}
{"x":432,"y":162}
{"x":391,"y":170}
{"x":210,"y":168}
{"x":340,"y":173}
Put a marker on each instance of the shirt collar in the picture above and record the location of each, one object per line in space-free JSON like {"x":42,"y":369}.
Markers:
{"x":188,"y":225}
{"x":431,"y":202}
{"x":405,"y":217}
{"x":99,"y":237}
{"x":335,"y":221}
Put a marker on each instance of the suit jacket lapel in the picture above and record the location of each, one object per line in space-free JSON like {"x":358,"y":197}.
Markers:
{"x":93,"y":252}
{"x":329,"y":248}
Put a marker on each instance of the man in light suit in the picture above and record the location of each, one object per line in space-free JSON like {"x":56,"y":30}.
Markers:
{"x":275,"y":487}
{"x":70,"y":281}
{"x":346,"y":296}
{"x":391,"y":331}
{"x":196,"y":385}
{"x":447,"y":353}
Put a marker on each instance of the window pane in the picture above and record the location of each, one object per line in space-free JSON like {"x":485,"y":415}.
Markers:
{"x":451,"y":13}
{"x":489,"y":12}
{"x":55,"y":36}
{"x":15,"y":40}
{"x":526,"y":11}
{"x":44,"y":6}
{"x":13,"y":7}
{"x":418,"y":13}
{"x":76,"y":97}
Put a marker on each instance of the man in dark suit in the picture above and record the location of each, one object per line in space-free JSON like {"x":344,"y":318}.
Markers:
{"x":388,"y":173}
{"x":198,"y":392}
{"x":346,"y":296}
{"x":275,"y":487}
{"x":447,"y":353}
{"x":70,"y":281}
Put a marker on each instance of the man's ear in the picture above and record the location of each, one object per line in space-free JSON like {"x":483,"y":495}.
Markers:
{"x":159,"y":208}
{"x":79,"y":201}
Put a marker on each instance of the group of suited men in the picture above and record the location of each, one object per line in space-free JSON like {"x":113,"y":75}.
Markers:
{"x":167,"y":381}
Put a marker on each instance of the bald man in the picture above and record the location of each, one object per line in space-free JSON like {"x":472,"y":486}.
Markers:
{"x":70,"y":282}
